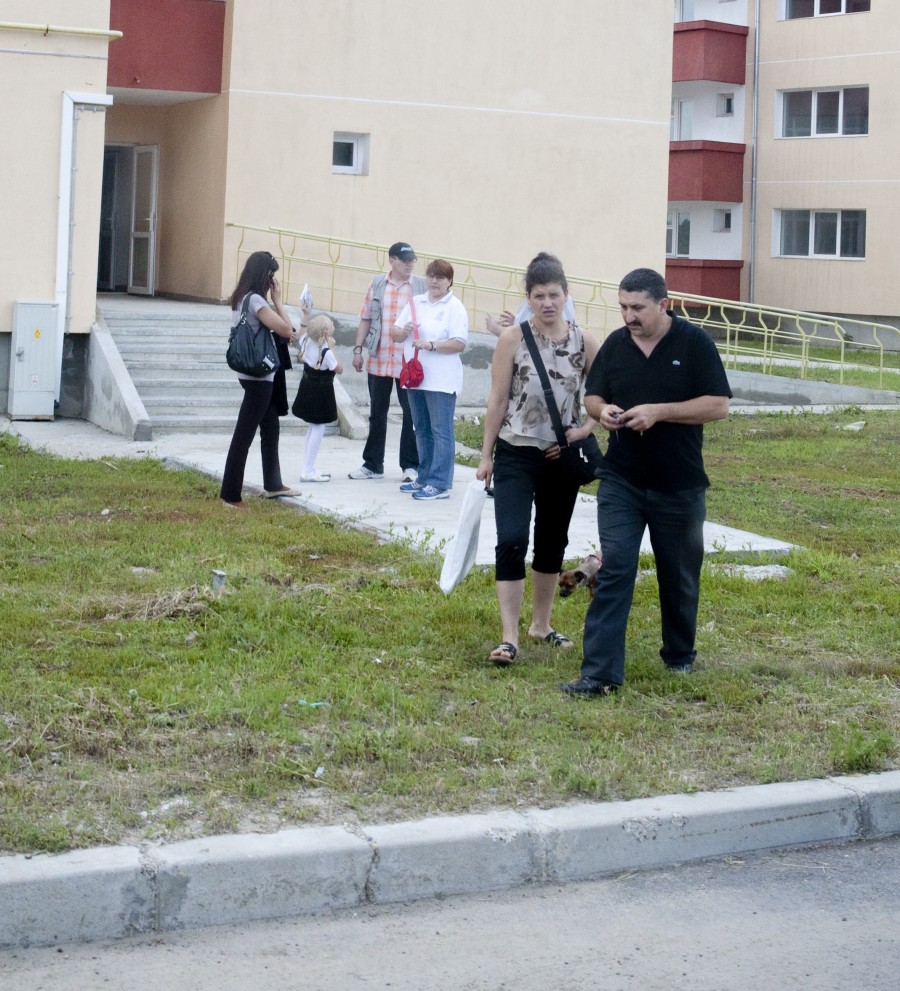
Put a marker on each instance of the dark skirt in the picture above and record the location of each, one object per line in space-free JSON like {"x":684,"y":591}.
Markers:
{"x":315,"y":402}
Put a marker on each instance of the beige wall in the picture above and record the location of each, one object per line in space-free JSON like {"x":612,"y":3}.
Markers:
{"x":858,"y":172}
{"x":191,"y":138}
{"x":497,"y":129}
{"x":35,"y":70}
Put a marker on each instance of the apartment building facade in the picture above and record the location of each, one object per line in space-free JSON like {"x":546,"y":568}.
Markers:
{"x":146,"y":128}
{"x":784,"y":175}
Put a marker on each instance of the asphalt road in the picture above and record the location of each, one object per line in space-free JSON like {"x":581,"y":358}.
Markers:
{"x":823,"y":918}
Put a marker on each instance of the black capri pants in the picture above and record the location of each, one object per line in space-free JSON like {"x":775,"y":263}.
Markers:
{"x":523,"y":478}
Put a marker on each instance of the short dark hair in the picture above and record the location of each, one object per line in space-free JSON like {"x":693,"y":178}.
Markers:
{"x":440,"y":268}
{"x":645,"y":280}
{"x":544,"y":269}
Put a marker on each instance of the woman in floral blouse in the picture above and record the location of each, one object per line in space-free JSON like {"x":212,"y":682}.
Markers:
{"x":521,"y":453}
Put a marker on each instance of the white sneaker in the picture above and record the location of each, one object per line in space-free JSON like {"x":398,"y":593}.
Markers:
{"x":315,"y":476}
{"x":410,"y":475}
{"x":365,"y":472}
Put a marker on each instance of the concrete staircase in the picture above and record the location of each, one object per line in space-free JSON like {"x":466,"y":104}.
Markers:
{"x":175,"y":354}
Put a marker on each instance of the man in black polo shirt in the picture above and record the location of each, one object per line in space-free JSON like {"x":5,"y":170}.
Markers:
{"x":653,"y":385}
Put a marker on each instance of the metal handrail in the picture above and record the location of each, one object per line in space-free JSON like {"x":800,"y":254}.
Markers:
{"x":745,"y":333}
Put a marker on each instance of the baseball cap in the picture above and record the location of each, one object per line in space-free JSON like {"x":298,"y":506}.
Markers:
{"x":403,"y":251}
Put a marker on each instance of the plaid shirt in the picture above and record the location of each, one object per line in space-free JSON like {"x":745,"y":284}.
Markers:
{"x":388,"y":360}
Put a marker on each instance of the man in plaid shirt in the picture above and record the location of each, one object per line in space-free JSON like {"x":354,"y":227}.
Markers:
{"x":385,"y":298}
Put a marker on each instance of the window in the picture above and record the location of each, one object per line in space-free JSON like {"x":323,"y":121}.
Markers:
{"x":350,"y":153}
{"x":808,"y":112}
{"x":684,"y":10}
{"x":821,"y":8}
{"x":681,"y":123}
{"x":823,"y":233}
{"x":678,"y":234}
{"x":724,"y":104}
{"x":721,"y":221}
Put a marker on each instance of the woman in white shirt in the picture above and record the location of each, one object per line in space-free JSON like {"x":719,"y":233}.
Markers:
{"x":435,"y":328}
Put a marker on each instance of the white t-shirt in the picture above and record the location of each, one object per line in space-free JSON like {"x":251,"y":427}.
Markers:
{"x":256,"y":304}
{"x":311,"y":350}
{"x":445,"y":320}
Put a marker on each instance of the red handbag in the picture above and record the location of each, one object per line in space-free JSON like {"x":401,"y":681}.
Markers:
{"x":411,"y":372}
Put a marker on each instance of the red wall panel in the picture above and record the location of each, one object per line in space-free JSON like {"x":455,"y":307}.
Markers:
{"x":719,"y":279}
{"x":709,"y":50}
{"x":167,"y":45}
{"x":706,"y":170}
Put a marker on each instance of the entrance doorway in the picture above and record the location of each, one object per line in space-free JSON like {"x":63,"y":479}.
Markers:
{"x":127,"y":251}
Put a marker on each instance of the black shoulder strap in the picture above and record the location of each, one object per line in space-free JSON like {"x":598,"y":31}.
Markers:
{"x":549,"y":398}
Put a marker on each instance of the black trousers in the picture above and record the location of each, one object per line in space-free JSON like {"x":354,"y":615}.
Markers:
{"x":523,"y":478}
{"x":675,"y":521}
{"x":380,"y":388}
{"x":258,"y":410}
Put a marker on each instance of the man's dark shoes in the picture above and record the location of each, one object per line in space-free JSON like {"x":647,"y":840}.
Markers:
{"x":588,"y":688}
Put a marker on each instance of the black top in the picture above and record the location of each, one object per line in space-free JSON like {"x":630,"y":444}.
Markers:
{"x":684,"y":365}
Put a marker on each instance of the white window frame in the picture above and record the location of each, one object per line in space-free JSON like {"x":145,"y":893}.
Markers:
{"x":722,"y":219}
{"x":360,"y":153}
{"x":681,"y":120}
{"x":724,"y":104}
{"x":784,"y":6}
{"x":684,"y":11}
{"x":813,"y":216}
{"x":674,"y":220}
{"x":816,"y":93}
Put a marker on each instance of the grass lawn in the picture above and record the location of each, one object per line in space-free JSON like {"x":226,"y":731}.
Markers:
{"x":331,"y":681}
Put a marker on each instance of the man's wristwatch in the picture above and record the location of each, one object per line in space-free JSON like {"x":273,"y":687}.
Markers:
{"x":358,"y":349}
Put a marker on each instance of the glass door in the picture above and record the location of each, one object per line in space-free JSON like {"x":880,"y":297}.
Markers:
{"x":107,"y":253}
{"x":142,"y":260}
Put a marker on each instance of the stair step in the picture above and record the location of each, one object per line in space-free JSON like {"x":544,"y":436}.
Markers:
{"x":172,"y":423}
{"x":160,"y":386}
{"x":216,"y":347}
{"x":177,"y":364}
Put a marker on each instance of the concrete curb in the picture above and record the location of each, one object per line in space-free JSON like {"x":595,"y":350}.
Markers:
{"x":120,"y":891}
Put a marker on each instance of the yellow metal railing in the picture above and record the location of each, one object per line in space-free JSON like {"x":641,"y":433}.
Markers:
{"x":338,"y":270}
{"x":769,"y":338}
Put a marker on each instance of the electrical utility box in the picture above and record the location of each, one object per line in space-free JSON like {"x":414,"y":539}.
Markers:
{"x":32,"y":360}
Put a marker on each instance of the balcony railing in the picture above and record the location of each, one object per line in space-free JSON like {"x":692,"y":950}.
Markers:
{"x":807,"y":345}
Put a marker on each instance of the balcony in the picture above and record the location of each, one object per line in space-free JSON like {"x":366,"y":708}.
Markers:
{"x":706,"y":170}
{"x":709,"y":50}
{"x":704,"y":277}
{"x":170,"y":50}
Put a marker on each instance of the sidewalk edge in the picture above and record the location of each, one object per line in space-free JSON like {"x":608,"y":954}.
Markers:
{"x":112,"y":892}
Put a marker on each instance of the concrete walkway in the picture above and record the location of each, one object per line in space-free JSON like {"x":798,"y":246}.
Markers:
{"x":118,"y":891}
{"x":376,"y":504}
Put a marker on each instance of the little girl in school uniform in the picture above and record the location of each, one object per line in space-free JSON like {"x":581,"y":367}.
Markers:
{"x":315,"y":402}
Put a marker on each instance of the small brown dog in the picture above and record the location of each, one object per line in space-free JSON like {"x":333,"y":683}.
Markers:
{"x":584,"y":576}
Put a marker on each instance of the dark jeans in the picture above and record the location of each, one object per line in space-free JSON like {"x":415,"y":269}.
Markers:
{"x":257,"y":411}
{"x":380,"y":387}
{"x":675,"y":521}
{"x":523,"y":478}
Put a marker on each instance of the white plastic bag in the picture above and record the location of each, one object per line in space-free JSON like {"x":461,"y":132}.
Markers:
{"x":463,"y":545}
